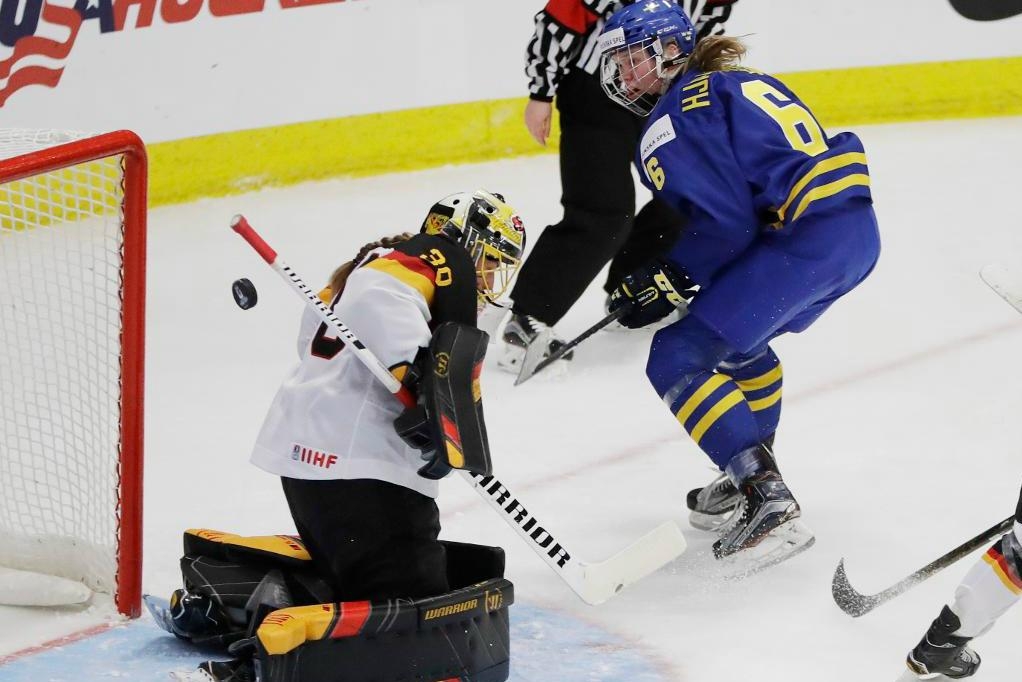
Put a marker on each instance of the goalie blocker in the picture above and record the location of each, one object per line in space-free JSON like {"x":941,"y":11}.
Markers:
{"x":447,"y":423}
{"x":284,"y":619}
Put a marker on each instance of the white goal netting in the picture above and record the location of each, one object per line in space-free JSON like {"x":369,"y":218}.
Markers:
{"x":61,"y":314}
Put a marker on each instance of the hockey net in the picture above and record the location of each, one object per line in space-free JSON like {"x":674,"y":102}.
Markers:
{"x":72,"y":300}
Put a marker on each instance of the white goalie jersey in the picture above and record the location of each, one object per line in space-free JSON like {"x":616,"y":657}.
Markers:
{"x":331,"y":418}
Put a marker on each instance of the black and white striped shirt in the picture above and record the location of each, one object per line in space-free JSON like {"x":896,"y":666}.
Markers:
{"x":567,"y":32}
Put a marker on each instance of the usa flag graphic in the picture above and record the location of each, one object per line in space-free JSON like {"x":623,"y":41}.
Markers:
{"x":36,"y":46}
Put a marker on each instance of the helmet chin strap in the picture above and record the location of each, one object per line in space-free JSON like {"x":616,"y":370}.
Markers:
{"x":669,"y":69}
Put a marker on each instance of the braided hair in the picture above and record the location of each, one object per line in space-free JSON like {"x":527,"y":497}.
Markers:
{"x":340,"y":276}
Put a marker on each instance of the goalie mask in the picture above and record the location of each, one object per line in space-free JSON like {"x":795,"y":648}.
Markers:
{"x":490,"y":231}
{"x":641,"y":47}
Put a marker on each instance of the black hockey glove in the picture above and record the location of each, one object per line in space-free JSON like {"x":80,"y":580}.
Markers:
{"x":651,"y":293}
{"x":416,"y":426}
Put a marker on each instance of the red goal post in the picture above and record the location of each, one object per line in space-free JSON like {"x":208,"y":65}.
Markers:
{"x":72,"y":328}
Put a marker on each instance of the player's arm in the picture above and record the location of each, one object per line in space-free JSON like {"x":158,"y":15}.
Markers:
{"x":557,"y":42}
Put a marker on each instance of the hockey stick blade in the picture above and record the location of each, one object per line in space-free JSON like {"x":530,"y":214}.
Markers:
{"x":535,"y":355}
{"x":527,"y":371}
{"x":855,"y":603}
{"x":1006,"y":283}
{"x":646,"y":555}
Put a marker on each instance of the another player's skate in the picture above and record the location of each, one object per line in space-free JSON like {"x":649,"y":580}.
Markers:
{"x":527,"y":343}
{"x":764,"y":527}
{"x":711,"y":505}
{"x":941,"y":653}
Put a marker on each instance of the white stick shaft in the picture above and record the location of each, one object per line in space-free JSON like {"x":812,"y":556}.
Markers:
{"x":505,"y":503}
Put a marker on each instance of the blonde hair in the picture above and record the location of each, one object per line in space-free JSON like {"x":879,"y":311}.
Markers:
{"x":340,"y":276}
{"x":715,"y":53}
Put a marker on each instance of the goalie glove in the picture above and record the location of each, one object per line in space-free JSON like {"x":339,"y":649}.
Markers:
{"x":651,"y":293}
{"x":447,"y":425}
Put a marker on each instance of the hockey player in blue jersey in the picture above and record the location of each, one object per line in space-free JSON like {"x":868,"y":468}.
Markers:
{"x":780,"y":224}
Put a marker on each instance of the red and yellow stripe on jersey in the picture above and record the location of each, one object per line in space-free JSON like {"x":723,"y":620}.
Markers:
{"x":411,"y":270}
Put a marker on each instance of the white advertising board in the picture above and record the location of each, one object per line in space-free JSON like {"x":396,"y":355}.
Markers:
{"x":171,"y":69}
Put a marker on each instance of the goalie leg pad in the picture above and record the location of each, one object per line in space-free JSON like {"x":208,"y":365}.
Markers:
{"x":463,"y":634}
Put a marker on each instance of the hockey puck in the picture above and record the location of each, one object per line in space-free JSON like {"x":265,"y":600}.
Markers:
{"x":244,"y":293}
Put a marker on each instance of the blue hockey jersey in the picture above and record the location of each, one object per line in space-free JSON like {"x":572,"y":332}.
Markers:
{"x":739,"y":154}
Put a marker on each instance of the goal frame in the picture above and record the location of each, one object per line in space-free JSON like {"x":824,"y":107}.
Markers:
{"x":132,"y":335}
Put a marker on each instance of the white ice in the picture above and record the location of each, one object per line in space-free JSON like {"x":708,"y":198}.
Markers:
{"x":900,"y":434}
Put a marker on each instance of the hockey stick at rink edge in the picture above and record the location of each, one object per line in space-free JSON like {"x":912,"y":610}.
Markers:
{"x":594,"y":583}
{"x":856,"y":604}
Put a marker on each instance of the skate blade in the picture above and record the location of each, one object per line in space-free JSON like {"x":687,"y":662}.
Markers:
{"x":159,"y":609}
{"x":910,"y":676}
{"x":191,"y":676}
{"x":782,"y":543}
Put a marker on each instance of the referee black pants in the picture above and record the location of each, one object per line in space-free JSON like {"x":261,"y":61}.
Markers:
{"x":598,"y":146}
{"x":371,"y":539}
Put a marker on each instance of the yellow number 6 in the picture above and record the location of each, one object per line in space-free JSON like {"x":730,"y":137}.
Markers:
{"x":788,"y":115}
{"x":656,"y":173}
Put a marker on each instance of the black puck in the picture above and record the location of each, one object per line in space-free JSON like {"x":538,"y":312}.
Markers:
{"x":244,"y":293}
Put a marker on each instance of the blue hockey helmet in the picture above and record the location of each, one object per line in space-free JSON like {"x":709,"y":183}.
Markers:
{"x":640,"y":45}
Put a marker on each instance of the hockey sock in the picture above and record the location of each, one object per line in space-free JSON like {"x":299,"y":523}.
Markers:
{"x":715,"y":413}
{"x":710,"y":405}
{"x":991,"y":587}
{"x":759,"y":377}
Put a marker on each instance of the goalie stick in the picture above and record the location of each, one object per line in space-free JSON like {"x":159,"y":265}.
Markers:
{"x":856,"y":604}
{"x":534,"y":363}
{"x":594,"y":583}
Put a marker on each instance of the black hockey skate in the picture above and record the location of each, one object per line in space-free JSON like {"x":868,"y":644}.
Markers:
{"x":711,"y":505}
{"x":941,"y":653}
{"x":766,"y":509}
{"x":194,"y":617}
{"x":528,"y":342}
